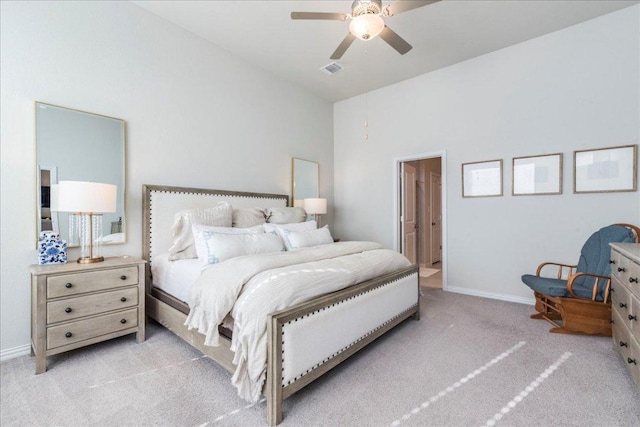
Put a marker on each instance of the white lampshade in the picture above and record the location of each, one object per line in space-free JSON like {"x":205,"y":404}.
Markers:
{"x":298,"y":203}
{"x":79,"y":196}
{"x":315,"y":206}
{"x":367,"y":26}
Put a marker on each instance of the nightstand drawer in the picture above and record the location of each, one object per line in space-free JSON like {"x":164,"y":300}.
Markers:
{"x":81,"y":330}
{"x":90,"y":281}
{"x":73,"y":308}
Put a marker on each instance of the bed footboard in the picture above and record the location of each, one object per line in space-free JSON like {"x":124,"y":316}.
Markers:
{"x":311,"y":338}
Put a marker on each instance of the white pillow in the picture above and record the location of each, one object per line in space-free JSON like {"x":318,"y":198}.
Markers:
{"x":248,"y":217}
{"x":297,"y":226}
{"x":199,"y":240}
{"x":304,"y":239}
{"x":286,"y":215}
{"x":221,"y":247}
{"x":219,"y":215}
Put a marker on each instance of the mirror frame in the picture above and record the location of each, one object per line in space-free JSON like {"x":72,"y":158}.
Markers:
{"x":39,"y":168}
{"x":293,"y":178}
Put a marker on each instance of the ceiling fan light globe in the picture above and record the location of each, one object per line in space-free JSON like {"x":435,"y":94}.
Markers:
{"x":366,"y":27}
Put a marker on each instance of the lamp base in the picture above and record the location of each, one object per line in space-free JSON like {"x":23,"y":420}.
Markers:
{"x":87,"y":260}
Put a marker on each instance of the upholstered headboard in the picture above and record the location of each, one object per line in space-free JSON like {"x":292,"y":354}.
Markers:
{"x":161,"y":203}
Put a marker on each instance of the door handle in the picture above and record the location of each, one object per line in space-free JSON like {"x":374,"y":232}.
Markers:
{"x":433,"y":223}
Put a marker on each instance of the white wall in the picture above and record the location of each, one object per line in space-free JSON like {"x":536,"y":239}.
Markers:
{"x":196,"y":116}
{"x":574,"y":89}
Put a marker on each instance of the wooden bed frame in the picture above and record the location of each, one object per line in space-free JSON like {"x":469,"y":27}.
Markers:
{"x":394,"y":296}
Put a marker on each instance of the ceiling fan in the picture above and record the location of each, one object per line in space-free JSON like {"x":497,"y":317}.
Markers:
{"x":367,"y":22}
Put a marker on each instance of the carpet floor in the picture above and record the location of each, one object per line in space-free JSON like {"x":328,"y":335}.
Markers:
{"x":469,"y":361}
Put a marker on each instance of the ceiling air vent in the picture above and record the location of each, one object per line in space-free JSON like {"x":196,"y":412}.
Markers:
{"x":332,"y":68}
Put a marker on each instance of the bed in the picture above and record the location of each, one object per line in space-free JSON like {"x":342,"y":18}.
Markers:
{"x":316,"y":335}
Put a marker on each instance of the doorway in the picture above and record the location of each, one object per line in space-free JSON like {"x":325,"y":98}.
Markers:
{"x":421,"y":216}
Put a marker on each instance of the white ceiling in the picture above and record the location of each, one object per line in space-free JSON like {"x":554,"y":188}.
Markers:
{"x":443,"y":33}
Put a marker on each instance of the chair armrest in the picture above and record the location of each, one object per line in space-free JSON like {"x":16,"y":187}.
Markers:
{"x":594,"y":289}
{"x":560,"y":268}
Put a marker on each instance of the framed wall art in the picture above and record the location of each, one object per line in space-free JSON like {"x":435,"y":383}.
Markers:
{"x":482,"y":179}
{"x":533,"y":175}
{"x":605,"y":169}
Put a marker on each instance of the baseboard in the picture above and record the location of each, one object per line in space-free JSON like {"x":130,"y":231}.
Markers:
{"x":492,"y":295}
{"x":10,"y":353}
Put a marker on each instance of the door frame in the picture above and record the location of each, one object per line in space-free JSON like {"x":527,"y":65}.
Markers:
{"x":442,"y":154}
{"x":430,"y":220}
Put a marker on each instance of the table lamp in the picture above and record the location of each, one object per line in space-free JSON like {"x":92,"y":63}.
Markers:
{"x":316,"y":207}
{"x":86,"y":202}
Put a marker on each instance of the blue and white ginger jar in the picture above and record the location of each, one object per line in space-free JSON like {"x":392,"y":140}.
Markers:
{"x":51,"y":248}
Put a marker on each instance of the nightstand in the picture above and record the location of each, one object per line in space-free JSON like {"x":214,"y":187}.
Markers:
{"x":74,"y":305}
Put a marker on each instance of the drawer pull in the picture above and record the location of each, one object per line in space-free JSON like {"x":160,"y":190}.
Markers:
{"x":123,"y":277}
{"x":633,"y":280}
{"x":623,"y":344}
{"x":123,"y":299}
{"x":634,"y":317}
{"x":621,"y":269}
{"x":68,"y":310}
{"x":68,"y":285}
{"x":630,"y":361}
{"x":623,"y":305}
{"x":611,"y":261}
{"x":68,"y":335}
{"x":123,"y":321}
{"x":612,"y":321}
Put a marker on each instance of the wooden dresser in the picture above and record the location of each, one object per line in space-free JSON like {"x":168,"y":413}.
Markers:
{"x":74,"y":305}
{"x":625,"y":304}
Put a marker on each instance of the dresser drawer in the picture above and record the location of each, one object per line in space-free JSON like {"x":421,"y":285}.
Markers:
{"x":634,"y":316}
{"x":90,"y":281}
{"x":620,"y":299}
{"x":81,"y":330}
{"x":633,"y":278}
{"x":621,"y":336}
{"x":627,"y":272}
{"x":619,"y":266}
{"x":73,"y":308}
{"x":633,"y":361}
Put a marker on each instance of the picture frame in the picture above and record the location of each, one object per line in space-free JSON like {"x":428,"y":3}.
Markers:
{"x":605,"y":170}
{"x":482,"y":179}
{"x":537,"y":175}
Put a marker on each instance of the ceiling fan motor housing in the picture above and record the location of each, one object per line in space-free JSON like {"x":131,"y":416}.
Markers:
{"x":362,"y":7}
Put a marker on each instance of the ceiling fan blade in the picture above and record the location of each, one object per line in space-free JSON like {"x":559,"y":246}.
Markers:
{"x":395,"y":41}
{"x":404,"y":5}
{"x":319,"y":15}
{"x":342,"y":48}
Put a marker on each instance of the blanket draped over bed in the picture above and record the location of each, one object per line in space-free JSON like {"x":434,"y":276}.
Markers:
{"x":252,"y":287}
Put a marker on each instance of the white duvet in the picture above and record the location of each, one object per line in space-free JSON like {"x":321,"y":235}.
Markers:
{"x":252,"y":287}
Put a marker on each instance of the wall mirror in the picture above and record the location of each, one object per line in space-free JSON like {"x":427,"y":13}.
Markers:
{"x":304,"y":180}
{"x":74,"y":145}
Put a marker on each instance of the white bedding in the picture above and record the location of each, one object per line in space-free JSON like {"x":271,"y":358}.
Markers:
{"x":175,"y":277}
{"x":251,"y":287}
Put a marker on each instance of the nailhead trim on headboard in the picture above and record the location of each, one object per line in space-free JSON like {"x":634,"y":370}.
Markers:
{"x":277,"y":200}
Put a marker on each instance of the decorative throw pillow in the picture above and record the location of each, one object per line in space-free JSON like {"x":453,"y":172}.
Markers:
{"x":304,"y":239}
{"x":182,"y":239}
{"x":221,"y":247}
{"x":296,"y":226}
{"x":199,"y":239}
{"x":248,"y":217}
{"x":286,"y":215}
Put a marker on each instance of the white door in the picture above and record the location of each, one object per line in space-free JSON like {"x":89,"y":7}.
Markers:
{"x":408,"y":214}
{"x":436,"y":217}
